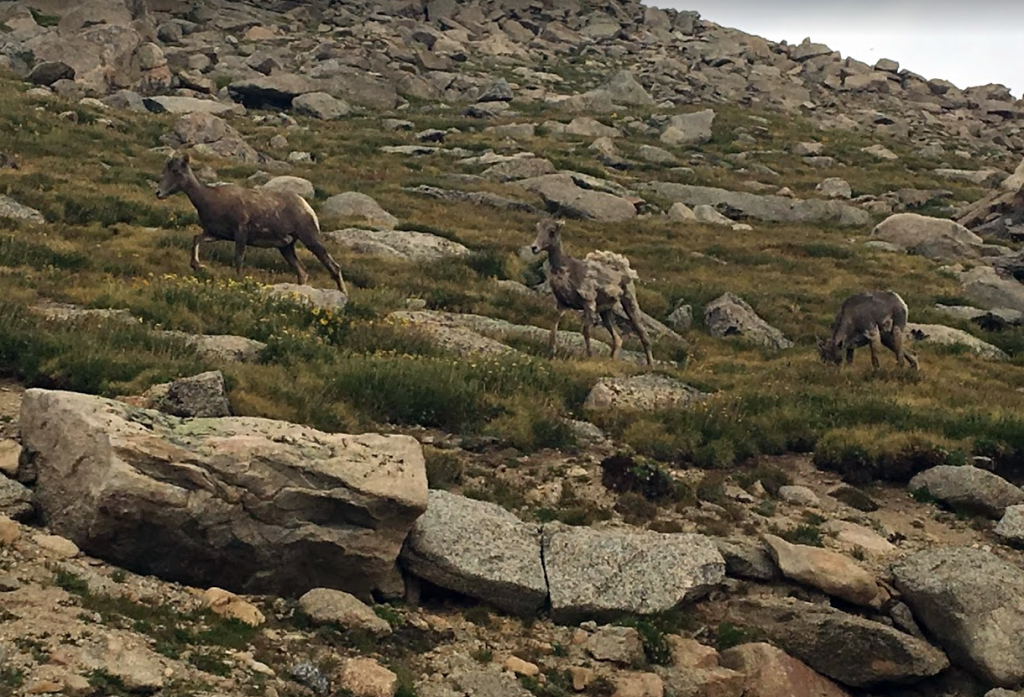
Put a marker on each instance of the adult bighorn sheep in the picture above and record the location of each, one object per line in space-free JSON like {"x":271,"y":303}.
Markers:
{"x":249,"y":218}
{"x":873,"y":318}
{"x":592,"y":285}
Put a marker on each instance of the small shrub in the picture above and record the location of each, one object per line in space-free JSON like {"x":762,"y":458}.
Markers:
{"x":728,"y":635}
{"x":71,"y":582}
{"x":444,"y":469}
{"x":635,"y":509}
{"x":43,"y":19}
{"x":482,"y":655}
{"x":772,"y":478}
{"x":712,"y":487}
{"x":862,"y":455}
{"x":479,"y":615}
{"x":389,"y":615}
{"x":624,"y":474}
{"x":807,"y":534}
{"x":922,"y":495}
{"x":855,"y":498}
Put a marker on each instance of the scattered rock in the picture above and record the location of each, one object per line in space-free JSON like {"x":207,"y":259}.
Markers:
{"x":200,"y":396}
{"x":48,"y":72}
{"x":689,"y":129}
{"x":948,"y":336}
{"x":295,"y":185}
{"x":9,"y":208}
{"x":934,"y":238}
{"x":353,"y":206}
{"x":730,"y":315}
{"x":1011,"y":525}
{"x":624,"y":89}
{"x":10,"y":452}
{"x":594,"y":572}
{"x":16,"y":501}
{"x":834,"y":187}
{"x":828,"y":571}
{"x":60,"y":547}
{"x":320,"y":105}
{"x":747,"y":559}
{"x":519,"y":168}
{"x":227,"y":604}
{"x":880,"y":152}
{"x":324,"y":298}
{"x":799,"y":495}
{"x":776,"y":209}
{"x":589,"y":127}
{"x":972,"y":602}
{"x":330,"y":606}
{"x":164,"y":104}
{"x":562,"y":196}
{"x":399,"y":244}
{"x":144,"y":480}
{"x":770,"y":672}
{"x":642,"y":393}
{"x":616,"y":644}
{"x":968,"y":489}
{"x":478,"y":549}
{"x":681,"y":318}
{"x":220,"y":347}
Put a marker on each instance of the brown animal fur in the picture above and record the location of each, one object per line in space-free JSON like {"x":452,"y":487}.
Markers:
{"x":873,"y":318}
{"x":276,"y":219}
{"x":593,"y":285}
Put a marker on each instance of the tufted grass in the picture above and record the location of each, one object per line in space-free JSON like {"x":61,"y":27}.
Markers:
{"x":108,"y":243}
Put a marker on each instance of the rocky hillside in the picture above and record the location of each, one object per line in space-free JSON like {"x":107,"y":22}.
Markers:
{"x":224,"y":485}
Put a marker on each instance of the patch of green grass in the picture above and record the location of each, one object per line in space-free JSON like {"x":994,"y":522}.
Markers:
{"x":43,"y":19}
{"x":444,"y":468}
{"x":479,"y":615}
{"x":71,"y":582}
{"x":922,"y":495}
{"x":210,"y":661}
{"x":653,"y":630}
{"x":482,"y":655}
{"x":806,"y":534}
{"x":11,"y":679}
{"x":389,"y":615}
{"x":15,"y":251}
{"x":728,"y":635}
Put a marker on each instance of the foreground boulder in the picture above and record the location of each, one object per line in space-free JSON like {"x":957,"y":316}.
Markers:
{"x":642,"y":393}
{"x":969,"y":489}
{"x":972,"y":602}
{"x":829,"y":571}
{"x":935,"y":238}
{"x":247,"y":504}
{"x":478,"y":549}
{"x":203,"y":395}
{"x":595,"y":572}
{"x":771,"y":672}
{"x":849,"y":649}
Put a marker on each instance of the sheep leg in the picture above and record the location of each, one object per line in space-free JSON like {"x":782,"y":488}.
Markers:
{"x":849,"y":356}
{"x":609,"y":324}
{"x":588,"y":320}
{"x":554,"y":331}
{"x":894,"y":342}
{"x":321,"y":253}
{"x":240,"y":244}
{"x":288,"y":252}
{"x":875,"y":343}
{"x":632,"y":308}
{"x":196,"y":241}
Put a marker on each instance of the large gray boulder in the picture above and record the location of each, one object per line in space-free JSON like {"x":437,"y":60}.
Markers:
{"x":849,"y":649}
{"x":624,"y":89}
{"x":247,"y":504}
{"x":408,"y":245}
{"x":972,"y":602}
{"x":948,"y":336}
{"x":210,"y":134}
{"x":775,"y":209}
{"x":935,"y":238}
{"x":478,"y":549}
{"x":355,"y":206}
{"x":689,"y":129}
{"x":987,"y":288}
{"x":203,"y":395}
{"x":730,"y":315}
{"x":320,"y":105}
{"x":602,"y":572}
{"x":1011,"y":525}
{"x":16,"y":501}
{"x":561,"y":195}
{"x":969,"y":489}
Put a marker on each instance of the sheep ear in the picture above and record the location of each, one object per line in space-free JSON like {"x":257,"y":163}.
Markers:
{"x":559,"y":223}
{"x":184,"y":158}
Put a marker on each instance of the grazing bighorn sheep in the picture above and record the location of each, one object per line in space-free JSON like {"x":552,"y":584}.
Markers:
{"x":592,"y":285}
{"x":257,"y":218}
{"x":873,"y":318}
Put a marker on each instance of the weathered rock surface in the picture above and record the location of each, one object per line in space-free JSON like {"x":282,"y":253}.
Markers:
{"x":642,"y":393}
{"x":828,"y":571}
{"x":324,"y":298}
{"x":247,"y":504}
{"x":770,"y":672}
{"x":730,"y":315}
{"x":295,"y":185}
{"x":187,"y":105}
{"x":479,"y":549}
{"x":747,"y":559}
{"x":934,"y":238}
{"x":331,"y":606}
{"x":948,"y":336}
{"x":968,"y":489}
{"x":849,"y":649}
{"x":408,"y":245}
{"x":562,"y":196}
{"x":320,"y":105}
{"x":354,"y":206}
{"x":16,"y":501}
{"x":595,"y":572}
{"x":220,"y":347}
{"x":9,"y":208}
{"x":202,"y":396}
{"x":985,"y":287}
{"x":689,"y":129}
{"x":972,"y":602}
{"x":1011,"y":525}
{"x":210,"y":134}
{"x":778,"y":209}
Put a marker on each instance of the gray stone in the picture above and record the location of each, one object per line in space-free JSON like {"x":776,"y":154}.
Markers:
{"x":295,"y":185}
{"x":9,"y":208}
{"x":834,"y":187}
{"x":689,"y":129}
{"x":935,"y":238}
{"x":948,"y":336}
{"x":624,"y":89}
{"x":706,"y":214}
{"x":320,"y":105}
{"x":655,"y":155}
{"x":355,"y":206}
{"x":968,"y":489}
{"x":408,"y":245}
{"x":199,"y":396}
{"x":187,"y":105}
{"x":799,"y":495}
{"x":48,"y":72}
{"x":324,"y":298}
{"x":681,"y":213}
{"x":519,"y":168}
{"x":479,"y":549}
{"x":16,"y":501}
{"x":1011,"y":525}
{"x":616,"y":644}
{"x":330,"y":606}
{"x":489,"y":683}
{"x":985,"y":287}
{"x":497,"y":91}
{"x":247,"y":504}
{"x":777,"y":209}
{"x":563,"y":196}
{"x":880,"y":152}
{"x":849,"y":649}
{"x":730,"y":315}
{"x":972,"y":602}
{"x":747,"y":559}
{"x":590,"y":127}
{"x":220,"y":347}
{"x":646,"y":392}
{"x":212,"y":134}
{"x":596,"y":572}
{"x":681,"y":318}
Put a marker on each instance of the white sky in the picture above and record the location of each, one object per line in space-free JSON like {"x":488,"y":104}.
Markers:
{"x":966,"y":42}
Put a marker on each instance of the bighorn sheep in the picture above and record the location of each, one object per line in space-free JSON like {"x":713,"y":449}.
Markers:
{"x":257,"y":218}
{"x":873,"y":318}
{"x":592,"y":285}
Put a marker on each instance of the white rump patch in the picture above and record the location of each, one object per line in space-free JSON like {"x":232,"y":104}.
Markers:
{"x":312,"y":213}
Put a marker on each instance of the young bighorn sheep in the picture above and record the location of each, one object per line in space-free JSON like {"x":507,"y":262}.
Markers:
{"x":873,"y":318}
{"x":592,"y":285}
{"x":249,"y":218}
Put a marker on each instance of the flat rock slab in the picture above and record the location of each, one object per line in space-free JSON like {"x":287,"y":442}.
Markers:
{"x":730,"y":315}
{"x":220,"y":347}
{"x":849,"y":649}
{"x":771,"y":672}
{"x":407,"y":245}
{"x":599,"y":572}
{"x":948,"y":336}
{"x":189,"y":105}
{"x":642,"y":393}
{"x":562,"y":195}
{"x":828,"y":571}
{"x":478,"y":549}
{"x":972,"y":602}
{"x":324,"y":298}
{"x":9,"y":208}
{"x":775,"y":209}
{"x":969,"y":489}
{"x":935,"y":238}
{"x":246,"y":504}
